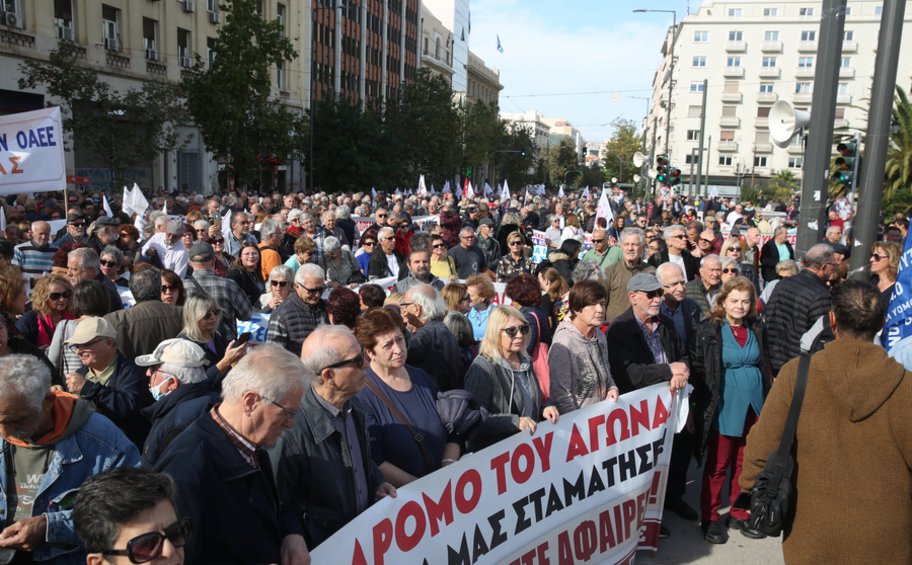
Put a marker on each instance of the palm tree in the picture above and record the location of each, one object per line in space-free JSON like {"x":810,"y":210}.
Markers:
{"x":898,"y":170}
{"x":783,"y":185}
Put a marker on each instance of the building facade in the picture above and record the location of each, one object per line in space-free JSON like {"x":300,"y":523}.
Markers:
{"x":534,"y":123}
{"x":483,"y":82}
{"x":436,"y":46}
{"x":456,"y":16}
{"x":752,"y":54}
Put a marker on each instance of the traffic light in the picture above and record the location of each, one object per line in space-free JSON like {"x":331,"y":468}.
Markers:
{"x":845,"y":163}
{"x":674,"y":176}
{"x":662,"y":167}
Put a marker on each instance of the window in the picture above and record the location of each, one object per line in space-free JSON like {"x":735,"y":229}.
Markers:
{"x":733,"y":61}
{"x":805,"y":62}
{"x":210,"y":51}
{"x":809,"y":35}
{"x":795,"y":162}
{"x":212,"y":6}
{"x":735,"y":36}
{"x":770,"y":12}
{"x":766,"y":87}
{"x":150,"y":35}
{"x":110,"y":23}
{"x":760,"y":161}
{"x":769,"y":63}
{"x":731,"y":86}
{"x":691,"y":159}
{"x":183,"y":48}
{"x":725,"y":160}
{"x":280,"y":75}
{"x":846,"y":62}
{"x":734,"y":12}
{"x":727,"y":135}
{"x":770,"y":36}
{"x":701,"y":36}
{"x":729,"y":111}
{"x":694,"y":111}
{"x":763,"y":111}
{"x":805,"y":12}
{"x":878,"y":10}
{"x":693,"y":134}
{"x":803,"y":88}
{"x":699,"y":61}
{"x":840,"y":114}
{"x":63,"y":19}
{"x":842,"y":88}
{"x":437,"y":48}
{"x":280,"y":16}
{"x":696,"y":86}
{"x":848,"y":35}
{"x":848,"y":11}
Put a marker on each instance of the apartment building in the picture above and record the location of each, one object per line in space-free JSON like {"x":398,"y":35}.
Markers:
{"x":483,"y":82}
{"x":436,"y":46}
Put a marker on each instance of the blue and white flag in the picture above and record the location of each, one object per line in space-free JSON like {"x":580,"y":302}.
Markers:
{"x":560,"y":193}
{"x":422,"y":187}
{"x":488,"y":191}
{"x":373,"y":193}
{"x":126,"y":202}
{"x":446,"y":187}
{"x":899,"y":313}
{"x":604,"y":208}
{"x":586,"y":192}
{"x":499,"y":46}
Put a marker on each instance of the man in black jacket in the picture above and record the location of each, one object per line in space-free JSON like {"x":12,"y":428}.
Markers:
{"x":643,"y":350}
{"x":676,"y":240}
{"x":771,"y":253}
{"x":684,"y":312}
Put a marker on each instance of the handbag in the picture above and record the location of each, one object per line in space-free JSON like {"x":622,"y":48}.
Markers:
{"x":540,"y":363}
{"x":772,"y":499}
{"x":416,"y":435}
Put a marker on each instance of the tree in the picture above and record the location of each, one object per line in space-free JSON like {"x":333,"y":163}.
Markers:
{"x":484,"y":134}
{"x":518,"y":155}
{"x":123,"y":129}
{"x":619,"y":150}
{"x":351,"y":150}
{"x":231,"y":99}
{"x":562,"y":160}
{"x":782,"y":186}
{"x":898,"y":169}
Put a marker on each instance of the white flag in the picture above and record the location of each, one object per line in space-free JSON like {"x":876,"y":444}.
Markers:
{"x":2,"y":218}
{"x":226,"y":226}
{"x":560,"y":193}
{"x":138,"y":201}
{"x":488,"y":191}
{"x":422,"y":188}
{"x":373,"y":193}
{"x":604,"y":209}
{"x":586,"y":192}
{"x":165,"y":206}
{"x":470,"y":192}
{"x":398,"y":192}
{"x":106,"y":206}
{"x":126,"y":202}
{"x":541,"y":190}
{"x":446,"y":187}
{"x":505,"y":192}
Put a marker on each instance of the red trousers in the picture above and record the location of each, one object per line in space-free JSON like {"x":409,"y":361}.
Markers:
{"x":724,"y":453}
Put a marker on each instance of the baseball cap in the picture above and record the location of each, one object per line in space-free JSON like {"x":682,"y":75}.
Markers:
{"x":75,"y":218}
{"x":106,"y":221}
{"x":201,"y":252}
{"x":176,"y":351}
{"x":643,"y":282}
{"x":91,"y":328}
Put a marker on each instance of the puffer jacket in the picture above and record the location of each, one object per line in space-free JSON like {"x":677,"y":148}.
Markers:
{"x":796,"y":305}
{"x":293,"y":320}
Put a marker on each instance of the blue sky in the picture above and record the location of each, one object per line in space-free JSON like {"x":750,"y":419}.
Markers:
{"x":583,"y":60}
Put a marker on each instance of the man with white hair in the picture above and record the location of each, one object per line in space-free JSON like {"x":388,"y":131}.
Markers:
{"x":271,"y":232}
{"x":304,"y":309}
{"x":84,"y":264}
{"x":224,"y":479}
{"x":169,"y":248}
{"x":703,"y":290}
{"x":433,"y":347}
{"x":178,"y":383}
{"x":36,"y":256}
{"x":53,"y":442}
{"x":385,"y":262}
{"x":469,"y":259}
{"x":323,"y":465}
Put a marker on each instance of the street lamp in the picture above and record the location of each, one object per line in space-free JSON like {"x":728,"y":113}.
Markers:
{"x":674,"y":27}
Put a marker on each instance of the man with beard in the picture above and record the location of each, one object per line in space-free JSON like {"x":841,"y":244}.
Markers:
{"x":419,"y":272}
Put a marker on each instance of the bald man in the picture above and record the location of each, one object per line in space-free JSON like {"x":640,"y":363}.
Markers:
{"x":35,"y":257}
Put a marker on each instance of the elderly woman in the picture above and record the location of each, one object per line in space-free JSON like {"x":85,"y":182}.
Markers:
{"x":731,"y":268}
{"x":129,"y":240}
{"x":341,"y":266}
{"x":172,"y":288}
{"x":304,"y":248}
{"x":398,"y":400}
{"x":733,"y":248}
{"x":731,"y":379}
{"x":51,"y":303}
{"x":201,"y":322}
{"x":90,"y":299}
{"x":343,"y":305}
{"x":525,"y":293}
{"x":112,"y":266}
{"x":246,"y":272}
{"x":442,"y":265}
{"x":514,"y":261}
{"x":502,"y":380}
{"x":578,"y":358}
{"x":884,"y":261}
{"x":481,"y":295}
{"x":278,"y":287}
{"x":363,"y":254}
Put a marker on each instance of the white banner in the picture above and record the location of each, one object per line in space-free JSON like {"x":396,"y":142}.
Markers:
{"x":588,"y":489}
{"x":31,"y":152}
{"x":258,"y":326}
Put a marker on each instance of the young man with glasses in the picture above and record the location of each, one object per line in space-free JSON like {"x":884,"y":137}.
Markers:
{"x":301,"y":312}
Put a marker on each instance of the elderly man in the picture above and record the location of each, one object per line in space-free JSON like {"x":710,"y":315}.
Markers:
{"x":75,"y":230}
{"x":833,"y":235}
{"x":323,"y":464}
{"x":141,"y":328}
{"x":684,"y":312}
{"x":703,"y":291}
{"x":169,"y":248}
{"x":304,"y":309}
{"x":36,"y":256}
{"x":775,"y":250}
{"x":329,"y":227}
{"x":241,"y":224}
{"x":633,"y":244}
{"x":84,"y":264}
{"x":115,"y":386}
{"x":433,"y":347}
{"x":53,"y":442}
{"x":125,"y":515}
{"x":180,"y":388}
{"x":231,"y":299}
{"x":224,"y":479}
{"x":201,"y":228}
{"x":271,"y":233}
{"x":487,"y":242}
{"x":675,"y":237}
{"x":469,"y":259}
{"x":751,"y":254}
{"x":798,"y":304}
{"x":385,"y":262}
{"x":419,"y":272}
{"x":107,"y":232}
{"x":602,"y":253}
{"x":643,"y":350}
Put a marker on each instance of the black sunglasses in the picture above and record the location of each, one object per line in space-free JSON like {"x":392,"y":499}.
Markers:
{"x":281,"y":284}
{"x":359,"y":359}
{"x":168,"y":287}
{"x":513,"y":330}
{"x":729,"y":271}
{"x":597,"y":241}
{"x":650,"y":294}
{"x":146,"y":547}
{"x":107,"y":263}
{"x":58,"y":295}
{"x":318,"y":290}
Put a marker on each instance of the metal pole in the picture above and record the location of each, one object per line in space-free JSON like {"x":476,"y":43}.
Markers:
{"x":690,"y":181}
{"x":702,"y":132}
{"x":310,"y":148}
{"x":878,"y":138}
{"x":816,"y":171}
{"x":709,"y":143}
{"x":671,"y":52}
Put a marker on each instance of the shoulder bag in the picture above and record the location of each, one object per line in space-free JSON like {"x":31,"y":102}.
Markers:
{"x":540,"y":363}
{"x":418,"y":437}
{"x":772,"y":503}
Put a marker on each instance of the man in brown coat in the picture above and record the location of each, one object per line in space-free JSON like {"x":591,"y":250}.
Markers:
{"x":141,"y":328}
{"x":633,"y":244}
{"x":853,"y":445}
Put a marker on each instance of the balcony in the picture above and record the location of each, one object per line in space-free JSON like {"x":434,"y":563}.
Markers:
{"x":763,"y":148}
{"x":795,"y":148}
{"x":730,"y":122}
{"x":156,"y":68}
{"x":736,"y":47}
{"x":761,"y":123}
{"x":728,"y":146}
{"x":840,"y":123}
{"x":843,"y":98}
{"x":733,"y":72}
{"x":807,"y":46}
{"x":850,"y":47}
{"x":771,"y":47}
{"x":846,"y":72}
{"x":802,"y":98}
{"x":804,"y":72}
{"x":767,"y":98}
{"x":770,"y":72}
{"x":734,"y":97}
{"x":115,"y":59}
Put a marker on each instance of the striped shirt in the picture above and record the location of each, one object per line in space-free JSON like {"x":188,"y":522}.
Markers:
{"x":33,"y":260}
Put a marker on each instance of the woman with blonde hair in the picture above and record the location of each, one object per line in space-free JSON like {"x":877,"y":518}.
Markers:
{"x":201,"y":322}
{"x":884,"y":265}
{"x":457,"y":299}
{"x":554,"y":292}
{"x":502,"y":380}
{"x":52,"y":301}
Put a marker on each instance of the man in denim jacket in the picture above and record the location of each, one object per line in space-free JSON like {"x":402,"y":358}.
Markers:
{"x":52,"y":442}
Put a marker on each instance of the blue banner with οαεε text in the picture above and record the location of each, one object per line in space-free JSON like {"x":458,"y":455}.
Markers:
{"x":898,"y":324}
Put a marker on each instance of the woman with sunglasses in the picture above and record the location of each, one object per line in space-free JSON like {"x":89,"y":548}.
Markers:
{"x":730,"y":269}
{"x":442,"y":265}
{"x":502,"y":380}
{"x":398,"y":400}
{"x":457,"y":299}
{"x":278,"y":287}
{"x":884,"y":261}
{"x":52,"y":301}
{"x":731,"y":378}
{"x":172,"y":288}
{"x":363,"y":254}
{"x":514,"y":261}
{"x":734,"y":248}
{"x":222,"y":259}
{"x":201,"y":322}
{"x":246,"y":272}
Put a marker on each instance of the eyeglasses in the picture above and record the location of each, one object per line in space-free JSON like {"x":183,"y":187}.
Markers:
{"x":877,"y":256}
{"x":369,"y":244}
{"x":58,"y":295}
{"x":438,"y":246}
{"x":512,"y":243}
{"x":390,"y":238}
{"x":169,"y":288}
{"x":288,"y":413}
{"x":146,"y":547}
{"x":108,"y":263}
{"x":213,"y":312}
{"x":707,"y":241}
{"x":679,"y":236}
{"x":595,"y":241}
{"x":317,"y":290}
{"x":216,"y":241}
{"x":513,"y":330}
{"x":359,"y":359}
{"x":467,"y":237}
{"x":78,"y":225}
{"x":734,"y":250}
{"x":280,"y":284}
{"x":86,"y":345}
{"x":730,"y":271}
{"x":381,"y":215}
{"x":651,"y":294}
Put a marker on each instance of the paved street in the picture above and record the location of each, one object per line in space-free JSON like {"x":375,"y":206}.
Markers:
{"x":686,"y":545}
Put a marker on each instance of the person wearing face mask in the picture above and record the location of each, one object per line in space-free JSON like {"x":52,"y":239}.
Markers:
{"x":178,"y":383}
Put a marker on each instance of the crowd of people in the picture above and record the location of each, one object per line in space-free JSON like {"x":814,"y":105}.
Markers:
{"x":124,"y":376}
